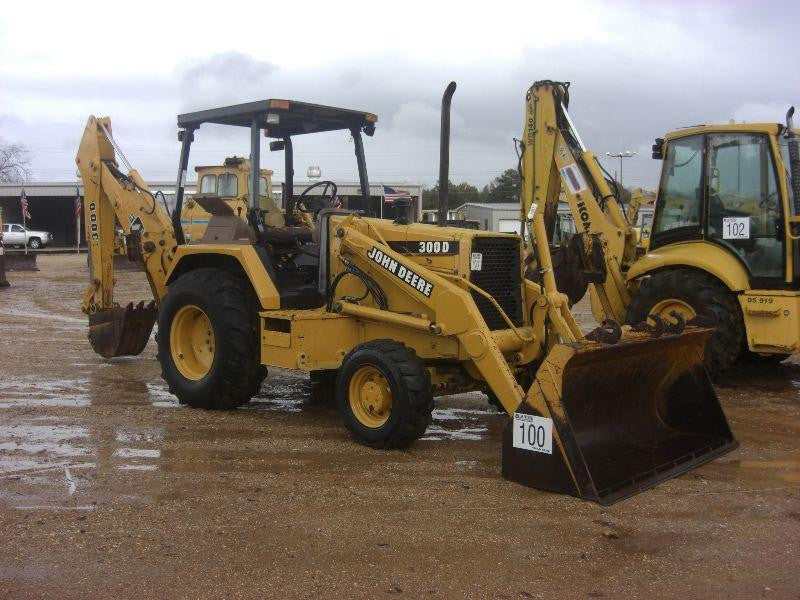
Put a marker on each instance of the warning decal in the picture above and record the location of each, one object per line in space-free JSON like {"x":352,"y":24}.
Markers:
{"x":571,"y":175}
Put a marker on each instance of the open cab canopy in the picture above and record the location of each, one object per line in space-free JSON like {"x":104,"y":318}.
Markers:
{"x":282,"y":118}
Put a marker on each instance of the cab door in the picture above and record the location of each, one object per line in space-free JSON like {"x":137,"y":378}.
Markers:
{"x":744,"y":209}
{"x":679,"y":206}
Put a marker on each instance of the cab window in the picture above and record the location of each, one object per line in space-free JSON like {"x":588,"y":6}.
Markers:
{"x":744,"y":210}
{"x":228,"y":185}
{"x":680,"y":193}
{"x":208,"y":184}
{"x":18,"y":228}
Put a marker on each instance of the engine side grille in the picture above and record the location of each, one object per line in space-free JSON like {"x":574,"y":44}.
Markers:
{"x":500,"y":277}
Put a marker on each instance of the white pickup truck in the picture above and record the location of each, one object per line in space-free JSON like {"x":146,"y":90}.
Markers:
{"x":17,"y":235}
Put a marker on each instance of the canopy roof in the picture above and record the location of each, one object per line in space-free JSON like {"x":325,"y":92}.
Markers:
{"x":282,"y":118}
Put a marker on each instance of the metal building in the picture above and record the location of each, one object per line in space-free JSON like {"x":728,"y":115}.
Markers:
{"x":52,"y":203}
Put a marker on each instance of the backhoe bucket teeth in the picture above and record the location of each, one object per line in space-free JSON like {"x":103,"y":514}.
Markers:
{"x":122,"y":331}
{"x":624,"y":417}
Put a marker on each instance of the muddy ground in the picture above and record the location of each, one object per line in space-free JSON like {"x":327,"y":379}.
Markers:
{"x":109,"y":488}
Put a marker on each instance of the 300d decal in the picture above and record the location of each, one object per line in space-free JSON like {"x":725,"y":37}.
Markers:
{"x":425,"y":247}
{"x":403,"y":273}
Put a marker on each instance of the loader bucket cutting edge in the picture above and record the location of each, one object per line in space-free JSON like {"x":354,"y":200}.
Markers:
{"x":122,"y":331}
{"x":625,"y":417}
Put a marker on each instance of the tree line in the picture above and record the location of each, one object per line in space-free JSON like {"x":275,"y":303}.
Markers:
{"x":506,"y":187}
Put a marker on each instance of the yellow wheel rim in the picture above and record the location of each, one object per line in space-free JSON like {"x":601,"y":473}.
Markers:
{"x":663,"y":308}
{"x":370,"y":397}
{"x":191,"y":341}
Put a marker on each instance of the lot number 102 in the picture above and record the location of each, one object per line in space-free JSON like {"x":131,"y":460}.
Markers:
{"x":533,"y":433}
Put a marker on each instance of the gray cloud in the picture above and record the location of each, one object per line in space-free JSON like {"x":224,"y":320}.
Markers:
{"x":662,"y":67}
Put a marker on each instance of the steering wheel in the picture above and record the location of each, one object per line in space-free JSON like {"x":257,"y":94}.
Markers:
{"x":304,"y":204}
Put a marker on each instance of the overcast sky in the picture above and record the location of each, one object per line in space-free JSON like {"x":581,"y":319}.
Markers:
{"x":637,"y":69}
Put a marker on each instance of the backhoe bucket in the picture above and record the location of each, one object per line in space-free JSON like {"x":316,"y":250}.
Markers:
{"x":625,"y":417}
{"x":122,"y":331}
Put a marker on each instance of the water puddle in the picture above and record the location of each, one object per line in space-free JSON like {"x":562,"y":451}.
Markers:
{"x":35,"y":392}
{"x":465,"y":424}
{"x":55,"y":507}
{"x":137,"y":453}
{"x":136,"y":467}
{"x":159,"y":396}
{"x":43,"y":317}
{"x":281,"y":396}
{"x":26,"y":447}
{"x":126,"y":436}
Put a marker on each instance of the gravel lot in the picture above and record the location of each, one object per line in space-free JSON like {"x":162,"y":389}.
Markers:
{"x":109,"y":488}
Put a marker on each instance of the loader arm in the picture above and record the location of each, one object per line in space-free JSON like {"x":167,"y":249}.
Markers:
{"x":554,"y":156}
{"x":451,"y":306}
{"x":110,"y":197}
{"x":620,"y":416}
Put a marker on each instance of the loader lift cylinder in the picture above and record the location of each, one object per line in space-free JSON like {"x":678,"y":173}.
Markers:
{"x":444,"y":153}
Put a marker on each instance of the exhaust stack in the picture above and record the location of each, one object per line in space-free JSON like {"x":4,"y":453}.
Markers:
{"x":444,"y":153}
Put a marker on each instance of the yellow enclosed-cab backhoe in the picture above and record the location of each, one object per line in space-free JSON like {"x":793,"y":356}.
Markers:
{"x":723,"y":241}
{"x":228,"y":181}
{"x":397,"y":313}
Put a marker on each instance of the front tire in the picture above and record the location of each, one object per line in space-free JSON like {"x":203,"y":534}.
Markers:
{"x":35,"y":243}
{"x":208,"y":343}
{"x":689,"y":291}
{"x":384,"y":394}
{"x":754,"y":358}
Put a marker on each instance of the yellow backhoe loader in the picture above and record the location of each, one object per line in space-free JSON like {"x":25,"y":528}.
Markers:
{"x":229,"y":182}
{"x":400,"y":312}
{"x":723,"y":238}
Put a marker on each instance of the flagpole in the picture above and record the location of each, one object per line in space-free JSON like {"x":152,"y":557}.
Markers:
{"x":24,"y":224}
{"x":78,"y":220}
{"x":383,"y":198}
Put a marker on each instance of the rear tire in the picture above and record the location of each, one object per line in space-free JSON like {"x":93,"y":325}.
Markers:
{"x":384,"y":394}
{"x":235,"y":372}
{"x":706,"y":296}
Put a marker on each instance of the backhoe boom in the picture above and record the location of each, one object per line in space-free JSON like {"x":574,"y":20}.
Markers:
{"x":553,"y":157}
{"x":112,"y":197}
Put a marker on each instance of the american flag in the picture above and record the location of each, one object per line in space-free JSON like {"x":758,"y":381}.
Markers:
{"x":391,"y":194}
{"x":77,"y":203}
{"x":23,"y":200}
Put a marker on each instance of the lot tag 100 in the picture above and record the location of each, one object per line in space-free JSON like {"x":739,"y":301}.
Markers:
{"x":533,"y":433}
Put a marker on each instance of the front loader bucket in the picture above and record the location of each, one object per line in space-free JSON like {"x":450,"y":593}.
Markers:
{"x":122,"y":331}
{"x":624,"y":417}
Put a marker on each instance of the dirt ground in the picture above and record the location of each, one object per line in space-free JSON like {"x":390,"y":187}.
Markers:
{"x":109,"y":488}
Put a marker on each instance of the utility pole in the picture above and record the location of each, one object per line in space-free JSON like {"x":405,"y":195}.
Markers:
{"x":620,"y":156}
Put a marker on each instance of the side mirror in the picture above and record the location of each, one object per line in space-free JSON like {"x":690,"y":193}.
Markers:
{"x":658,"y":149}
{"x":713,"y":181}
{"x":277,"y":145}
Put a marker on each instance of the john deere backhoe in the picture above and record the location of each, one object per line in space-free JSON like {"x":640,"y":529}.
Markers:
{"x":724,"y":234}
{"x":400,"y":312}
